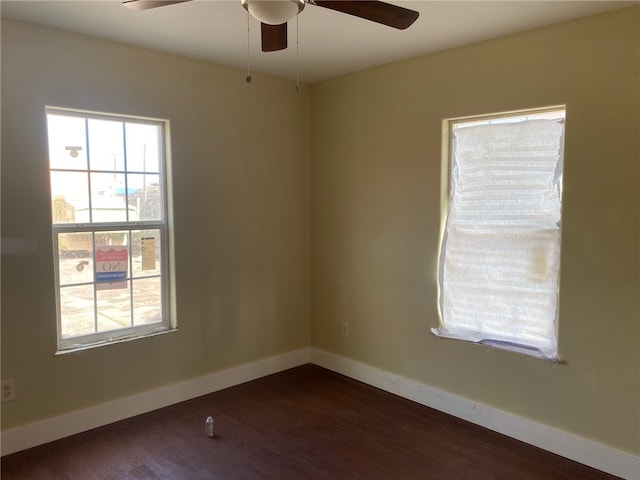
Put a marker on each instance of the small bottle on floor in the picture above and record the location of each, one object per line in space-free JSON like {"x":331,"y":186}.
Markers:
{"x":208,"y":427}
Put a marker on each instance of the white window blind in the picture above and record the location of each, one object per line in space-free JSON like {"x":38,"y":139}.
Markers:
{"x":500,"y":254}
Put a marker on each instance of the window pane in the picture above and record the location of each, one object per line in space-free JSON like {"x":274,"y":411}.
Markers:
{"x":77,"y":311}
{"x":75,"y":258}
{"x":67,"y":142}
{"x":143,"y":148}
{"x":147,"y":304}
{"x":106,"y":145}
{"x":106,"y":204}
{"x":145,"y":194}
{"x":145,"y":251}
{"x":114,"y":308}
{"x":116,"y":237}
{"x":69,"y":197}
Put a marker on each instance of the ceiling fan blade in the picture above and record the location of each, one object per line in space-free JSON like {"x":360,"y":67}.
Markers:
{"x":274,"y":37}
{"x":147,"y":4}
{"x":376,"y":11}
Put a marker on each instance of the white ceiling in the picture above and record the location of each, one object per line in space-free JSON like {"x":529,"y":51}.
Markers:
{"x":330,"y":43}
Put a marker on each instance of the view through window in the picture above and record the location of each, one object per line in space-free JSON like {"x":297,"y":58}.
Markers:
{"x":108,"y":196}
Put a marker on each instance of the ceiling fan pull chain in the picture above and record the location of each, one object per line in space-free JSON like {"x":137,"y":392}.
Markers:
{"x":297,"y":54}
{"x":248,"y":77}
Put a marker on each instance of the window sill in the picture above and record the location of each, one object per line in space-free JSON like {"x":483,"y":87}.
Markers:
{"x":103,"y":343}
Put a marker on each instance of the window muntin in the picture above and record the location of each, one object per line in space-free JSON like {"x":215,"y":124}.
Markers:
{"x":109,"y":220}
{"x":500,"y":253}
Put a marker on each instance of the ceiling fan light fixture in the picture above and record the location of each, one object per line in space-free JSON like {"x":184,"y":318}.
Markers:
{"x":273,"y":12}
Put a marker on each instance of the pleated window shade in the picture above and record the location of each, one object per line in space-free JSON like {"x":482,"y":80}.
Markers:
{"x":500,"y":252}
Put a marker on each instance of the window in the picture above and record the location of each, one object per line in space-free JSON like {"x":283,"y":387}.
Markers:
{"x":500,"y":252}
{"x":109,"y":218}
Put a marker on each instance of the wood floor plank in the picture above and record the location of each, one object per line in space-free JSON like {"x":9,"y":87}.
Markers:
{"x":302,"y":424}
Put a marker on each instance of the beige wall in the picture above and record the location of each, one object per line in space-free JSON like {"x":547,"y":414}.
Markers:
{"x":241,"y":201}
{"x":373,"y":138}
{"x":375,"y":189}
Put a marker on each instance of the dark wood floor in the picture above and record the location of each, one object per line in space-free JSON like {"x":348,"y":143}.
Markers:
{"x":305,"y":423}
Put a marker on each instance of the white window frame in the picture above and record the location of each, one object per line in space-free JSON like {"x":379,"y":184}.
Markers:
{"x":167,"y":323}
{"x":546,"y":351}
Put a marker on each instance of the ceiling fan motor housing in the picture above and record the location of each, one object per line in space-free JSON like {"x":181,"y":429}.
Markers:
{"x":273,"y":12}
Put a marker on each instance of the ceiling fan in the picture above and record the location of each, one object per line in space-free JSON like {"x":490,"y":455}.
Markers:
{"x":274,"y":14}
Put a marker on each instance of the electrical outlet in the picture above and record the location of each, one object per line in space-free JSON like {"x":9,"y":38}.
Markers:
{"x":8,"y":390}
{"x":344,"y":329}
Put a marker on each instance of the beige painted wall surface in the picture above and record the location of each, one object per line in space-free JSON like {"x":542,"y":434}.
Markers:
{"x":241,"y":200}
{"x":375,"y":189}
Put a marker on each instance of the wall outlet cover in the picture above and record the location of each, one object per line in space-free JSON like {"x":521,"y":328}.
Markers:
{"x":8,"y":390}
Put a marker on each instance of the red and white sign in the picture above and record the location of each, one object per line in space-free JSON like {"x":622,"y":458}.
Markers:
{"x":111,"y":267}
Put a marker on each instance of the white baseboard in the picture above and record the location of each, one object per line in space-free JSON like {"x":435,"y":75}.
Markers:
{"x":590,"y":453}
{"x":587,"y":452}
{"x":51,"y":429}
